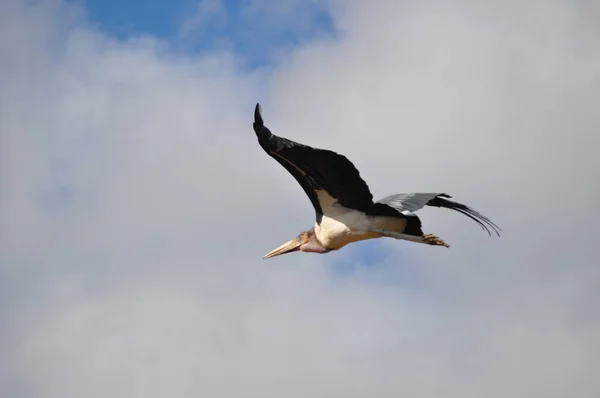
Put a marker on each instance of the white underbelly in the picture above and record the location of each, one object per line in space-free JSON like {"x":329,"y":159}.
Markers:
{"x":342,"y":225}
{"x":339,"y":230}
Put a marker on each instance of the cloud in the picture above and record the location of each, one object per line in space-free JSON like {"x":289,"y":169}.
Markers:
{"x":136,"y":205}
{"x":207,"y":13}
{"x":260,"y":33}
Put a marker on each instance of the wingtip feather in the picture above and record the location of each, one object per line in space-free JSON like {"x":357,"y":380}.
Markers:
{"x":258,"y":113}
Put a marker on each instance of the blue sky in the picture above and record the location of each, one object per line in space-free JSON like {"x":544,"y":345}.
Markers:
{"x":253,"y":30}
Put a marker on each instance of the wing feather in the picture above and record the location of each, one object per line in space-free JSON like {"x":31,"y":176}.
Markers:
{"x":316,"y":169}
{"x":408,"y":203}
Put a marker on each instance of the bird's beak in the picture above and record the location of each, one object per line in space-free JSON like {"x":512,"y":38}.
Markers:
{"x":288,"y":247}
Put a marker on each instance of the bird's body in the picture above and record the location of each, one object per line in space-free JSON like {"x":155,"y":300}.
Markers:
{"x":344,"y":226}
{"x":344,"y":207}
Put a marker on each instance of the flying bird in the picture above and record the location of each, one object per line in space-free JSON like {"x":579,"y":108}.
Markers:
{"x":344,"y":207}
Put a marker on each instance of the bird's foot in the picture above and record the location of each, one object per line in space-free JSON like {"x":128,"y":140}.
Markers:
{"x":434,"y":240}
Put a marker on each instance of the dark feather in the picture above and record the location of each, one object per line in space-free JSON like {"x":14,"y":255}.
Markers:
{"x":480,"y":219}
{"x":323,"y":169}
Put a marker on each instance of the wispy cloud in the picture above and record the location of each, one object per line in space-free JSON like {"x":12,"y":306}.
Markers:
{"x":208,"y":14}
{"x":260,"y":33}
{"x":135,"y":206}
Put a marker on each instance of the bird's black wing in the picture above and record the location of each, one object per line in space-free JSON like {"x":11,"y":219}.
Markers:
{"x":316,"y":170}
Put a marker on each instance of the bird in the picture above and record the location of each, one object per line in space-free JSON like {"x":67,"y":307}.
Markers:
{"x":344,"y":208}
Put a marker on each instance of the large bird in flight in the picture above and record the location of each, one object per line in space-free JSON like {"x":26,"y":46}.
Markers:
{"x":343,"y":203}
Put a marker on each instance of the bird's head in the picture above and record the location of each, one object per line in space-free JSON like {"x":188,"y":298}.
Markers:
{"x":305,"y":242}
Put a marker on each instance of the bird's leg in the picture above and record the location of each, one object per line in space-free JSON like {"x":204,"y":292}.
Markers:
{"x":428,"y":239}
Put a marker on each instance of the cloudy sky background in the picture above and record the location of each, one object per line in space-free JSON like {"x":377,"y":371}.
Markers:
{"x":136,"y":204}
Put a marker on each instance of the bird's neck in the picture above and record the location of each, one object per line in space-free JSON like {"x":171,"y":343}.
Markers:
{"x":313,"y":245}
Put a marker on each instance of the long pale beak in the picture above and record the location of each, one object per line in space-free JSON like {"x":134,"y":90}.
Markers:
{"x":290,"y":246}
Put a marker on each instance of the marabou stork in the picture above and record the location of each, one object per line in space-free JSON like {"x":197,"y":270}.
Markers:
{"x":343,"y":203}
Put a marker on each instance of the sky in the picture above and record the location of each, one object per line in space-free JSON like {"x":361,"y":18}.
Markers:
{"x":259,"y":33}
{"x":136,"y":203}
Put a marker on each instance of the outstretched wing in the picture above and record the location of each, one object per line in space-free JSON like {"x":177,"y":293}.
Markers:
{"x":326,"y":177}
{"x":408,"y":203}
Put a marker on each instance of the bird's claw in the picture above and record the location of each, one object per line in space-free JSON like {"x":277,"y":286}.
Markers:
{"x":434,"y":240}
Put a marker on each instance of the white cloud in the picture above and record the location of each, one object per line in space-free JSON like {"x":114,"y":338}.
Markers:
{"x":149,"y":281}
